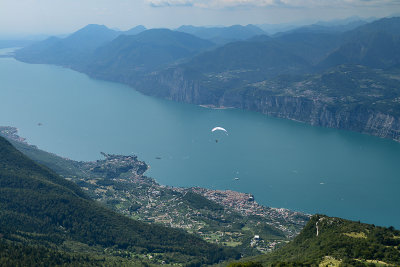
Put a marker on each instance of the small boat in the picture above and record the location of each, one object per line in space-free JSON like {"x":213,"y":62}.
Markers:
{"x":236,"y":178}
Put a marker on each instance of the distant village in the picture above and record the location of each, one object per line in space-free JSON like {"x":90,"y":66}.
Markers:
{"x":119,"y":182}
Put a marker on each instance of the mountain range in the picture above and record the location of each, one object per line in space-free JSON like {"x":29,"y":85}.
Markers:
{"x":308,"y":74}
{"x":129,"y":56}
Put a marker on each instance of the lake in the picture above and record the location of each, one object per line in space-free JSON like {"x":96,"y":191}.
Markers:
{"x":283,"y":163}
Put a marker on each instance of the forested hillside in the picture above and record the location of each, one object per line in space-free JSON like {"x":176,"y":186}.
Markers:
{"x":328,"y":241}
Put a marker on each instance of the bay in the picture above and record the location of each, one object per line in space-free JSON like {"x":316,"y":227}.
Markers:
{"x":283,"y":163}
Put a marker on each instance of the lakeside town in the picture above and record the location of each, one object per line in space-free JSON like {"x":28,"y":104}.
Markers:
{"x":224,"y":217}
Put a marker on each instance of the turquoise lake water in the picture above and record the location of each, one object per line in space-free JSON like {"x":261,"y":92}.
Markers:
{"x":283,"y":163}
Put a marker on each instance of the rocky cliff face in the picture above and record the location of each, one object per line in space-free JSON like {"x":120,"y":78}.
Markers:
{"x":175,"y":86}
{"x":318,"y":113}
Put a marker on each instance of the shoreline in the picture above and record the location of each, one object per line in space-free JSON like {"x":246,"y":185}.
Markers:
{"x":215,"y":107}
{"x":269,"y":113}
{"x":129,"y":170}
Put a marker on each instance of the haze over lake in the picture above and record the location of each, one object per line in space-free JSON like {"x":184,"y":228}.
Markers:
{"x":283,"y":163}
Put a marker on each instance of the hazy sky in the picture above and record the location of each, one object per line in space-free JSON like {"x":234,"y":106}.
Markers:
{"x":65,"y":16}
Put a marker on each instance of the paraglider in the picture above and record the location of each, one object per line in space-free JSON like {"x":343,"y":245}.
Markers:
{"x":219,"y":129}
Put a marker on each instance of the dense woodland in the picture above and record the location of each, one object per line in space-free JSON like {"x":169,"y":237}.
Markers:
{"x":17,"y":254}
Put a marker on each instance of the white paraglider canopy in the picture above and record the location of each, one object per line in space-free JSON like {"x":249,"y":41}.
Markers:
{"x":219,"y":129}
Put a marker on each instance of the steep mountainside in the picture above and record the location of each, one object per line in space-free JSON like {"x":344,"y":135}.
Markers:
{"x":309,"y":45}
{"x":205,"y":78}
{"x":40,"y":208}
{"x":266,"y":57}
{"x":375,"y":45}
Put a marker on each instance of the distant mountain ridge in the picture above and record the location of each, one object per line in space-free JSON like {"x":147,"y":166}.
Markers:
{"x":108,"y":54}
{"x":326,"y":27}
{"x":375,"y":45}
{"x":74,"y":50}
{"x":128,"y":57}
{"x":135,"y":30}
{"x":223,"y":35}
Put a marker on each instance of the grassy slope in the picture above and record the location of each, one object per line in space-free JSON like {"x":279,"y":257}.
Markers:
{"x":342,"y":242}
